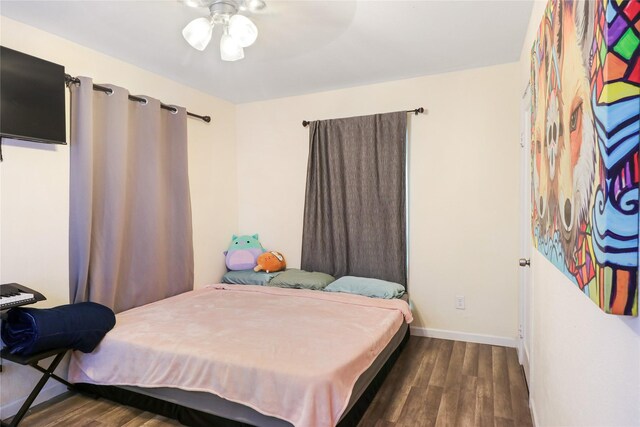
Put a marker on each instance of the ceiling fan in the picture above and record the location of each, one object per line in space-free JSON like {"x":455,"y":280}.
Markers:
{"x":238,"y":30}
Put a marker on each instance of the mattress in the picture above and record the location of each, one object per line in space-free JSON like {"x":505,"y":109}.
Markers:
{"x":215,"y":405}
{"x":292,"y":355}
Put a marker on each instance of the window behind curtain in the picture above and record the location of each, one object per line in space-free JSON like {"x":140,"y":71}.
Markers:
{"x":355,"y":203}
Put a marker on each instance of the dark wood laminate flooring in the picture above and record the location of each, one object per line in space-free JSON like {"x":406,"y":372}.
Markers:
{"x":434,"y":383}
{"x":452,"y":383}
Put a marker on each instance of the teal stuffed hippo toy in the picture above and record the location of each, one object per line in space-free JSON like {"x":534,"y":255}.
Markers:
{"x":243,"y":252}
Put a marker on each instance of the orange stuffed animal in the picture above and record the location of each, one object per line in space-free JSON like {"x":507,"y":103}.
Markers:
{"x":270,"y":262}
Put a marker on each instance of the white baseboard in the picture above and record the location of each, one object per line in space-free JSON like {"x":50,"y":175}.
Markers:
{"x":48,"y":392}
{"x":464,"y":336}
{"x":532,"y":406}
{"x":523,"y":358}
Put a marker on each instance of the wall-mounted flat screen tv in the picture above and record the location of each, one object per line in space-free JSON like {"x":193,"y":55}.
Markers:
{"x":31,"y":98}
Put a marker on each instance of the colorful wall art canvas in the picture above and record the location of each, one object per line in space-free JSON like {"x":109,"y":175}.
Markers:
{"x":585,"y":120}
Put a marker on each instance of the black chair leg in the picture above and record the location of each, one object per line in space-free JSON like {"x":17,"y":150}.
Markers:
{"x":36,"y":390}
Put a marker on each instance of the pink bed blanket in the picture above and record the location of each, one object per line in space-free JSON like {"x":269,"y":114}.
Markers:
{"x":289,"y":353}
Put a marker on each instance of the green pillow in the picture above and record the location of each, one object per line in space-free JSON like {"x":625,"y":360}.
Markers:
{"x":374,"y":288}
{"x":248,"y":277}
{"x":300,"y":279}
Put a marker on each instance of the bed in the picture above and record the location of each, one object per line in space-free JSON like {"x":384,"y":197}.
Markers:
{"x":243,"y":354}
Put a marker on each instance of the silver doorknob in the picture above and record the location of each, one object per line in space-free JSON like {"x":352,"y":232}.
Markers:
{"x":524,"y":262}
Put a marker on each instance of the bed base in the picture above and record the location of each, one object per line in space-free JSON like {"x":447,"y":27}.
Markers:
{"x":195,"y":418}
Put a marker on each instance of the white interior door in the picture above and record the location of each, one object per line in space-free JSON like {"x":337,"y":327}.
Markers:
{"x":524,"y":345}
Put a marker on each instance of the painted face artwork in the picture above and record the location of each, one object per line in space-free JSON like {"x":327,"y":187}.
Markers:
{"x":585,"y":133}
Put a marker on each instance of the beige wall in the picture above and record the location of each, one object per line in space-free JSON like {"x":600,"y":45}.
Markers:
{"x":34,"y":183}
{"x":585,"y":364}
{"x":463,"y":174}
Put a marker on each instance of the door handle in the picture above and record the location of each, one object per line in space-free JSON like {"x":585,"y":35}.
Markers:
{"x":524,"y":262}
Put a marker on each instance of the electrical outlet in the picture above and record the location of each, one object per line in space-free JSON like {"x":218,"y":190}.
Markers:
{"x":460,"y":302}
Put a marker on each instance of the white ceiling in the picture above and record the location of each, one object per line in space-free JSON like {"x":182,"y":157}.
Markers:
{"x":302,"y":47}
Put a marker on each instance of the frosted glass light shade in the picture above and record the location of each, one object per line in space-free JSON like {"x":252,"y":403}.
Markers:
{"x":243,"y":31}
{"x":230,"y":50}
{"x":198,"y":33}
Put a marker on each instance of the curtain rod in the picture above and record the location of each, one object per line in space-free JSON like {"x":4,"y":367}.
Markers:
{"x":69,"y":79}
{"x":415,"y":111}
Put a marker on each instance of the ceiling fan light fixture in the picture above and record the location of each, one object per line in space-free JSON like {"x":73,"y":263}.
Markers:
{"x":243,"y":30}
{"x":198,"y":33}
{"x":238,"y":30}
{"x":230,"y":50}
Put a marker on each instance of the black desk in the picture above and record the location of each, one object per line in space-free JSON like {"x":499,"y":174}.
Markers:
{"x":46,"y":374}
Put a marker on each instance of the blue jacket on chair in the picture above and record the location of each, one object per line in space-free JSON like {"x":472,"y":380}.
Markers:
{"x":79,"y":326}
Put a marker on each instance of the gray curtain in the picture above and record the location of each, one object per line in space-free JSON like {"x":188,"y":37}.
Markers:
{"x":354,"y":214}
{"x":130,"y":209}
